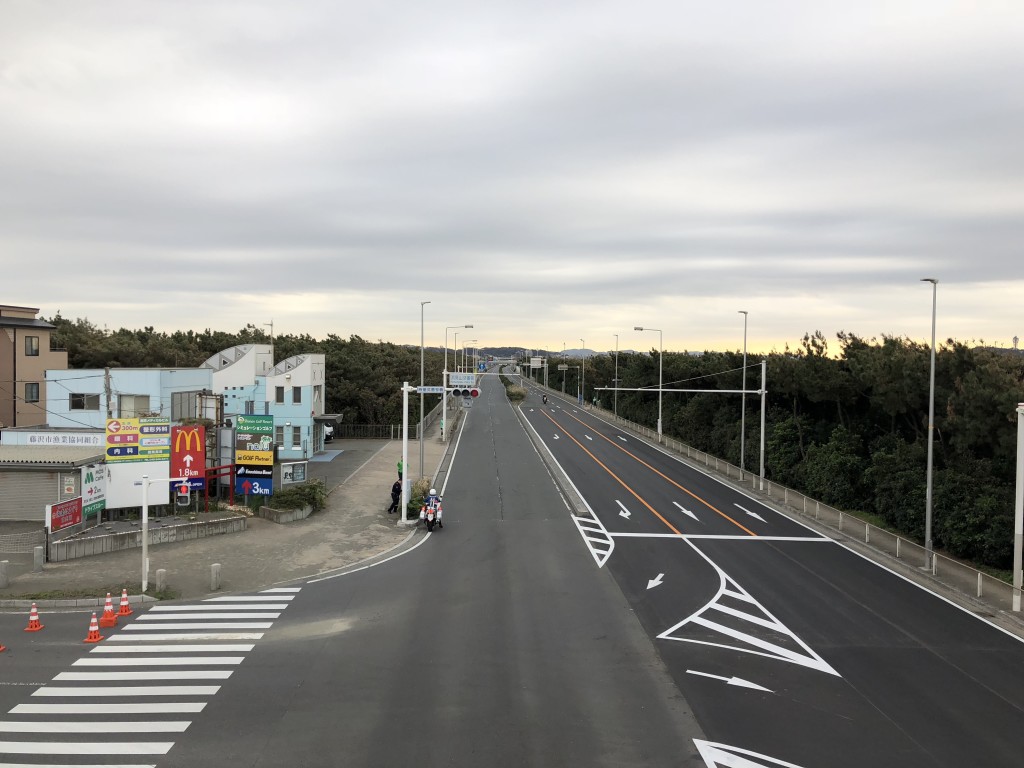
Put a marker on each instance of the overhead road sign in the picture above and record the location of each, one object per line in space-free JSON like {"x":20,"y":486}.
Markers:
{"x":461,"y":379}
{"x":430,"y":390}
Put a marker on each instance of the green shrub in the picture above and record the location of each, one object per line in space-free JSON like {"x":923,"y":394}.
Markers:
{"x":312,"y":493}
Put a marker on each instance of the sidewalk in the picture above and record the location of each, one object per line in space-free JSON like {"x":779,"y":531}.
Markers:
{"x":353,"y":527}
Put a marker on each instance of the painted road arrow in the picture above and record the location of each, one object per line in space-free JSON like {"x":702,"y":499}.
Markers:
{"x":753,"y":514}
{"x":685,"y":511}
{"x":655,"y":582}
{"x":625,"y":512}
{"x":731,"y":680}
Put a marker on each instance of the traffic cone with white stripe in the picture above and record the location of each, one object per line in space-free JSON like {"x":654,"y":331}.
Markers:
{"x":33,"y":620}
{"x":109,"y":618}
{"x":125,"y":609}
{"x":94,"y":630}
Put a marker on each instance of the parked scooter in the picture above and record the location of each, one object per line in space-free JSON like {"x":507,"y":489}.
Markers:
{"x":430,"y":512}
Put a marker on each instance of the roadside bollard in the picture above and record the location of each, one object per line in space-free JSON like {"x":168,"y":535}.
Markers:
{"x":37,"y":559}
{"x":215,"y":577}
{"x":4,"y":579}
{"x":161,"y":579}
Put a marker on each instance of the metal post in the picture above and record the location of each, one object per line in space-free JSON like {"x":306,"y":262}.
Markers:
{"x":405,"y":448}
{"x":661,"y":357}
{"x":419,"y":429}
{"x":743,"y":413}
{"x":615,"y":395}
{"x":764,"y":392}
{"x":583,"y":380}
{"x":145,"y":533}
{"x":931,"y":436}
{"x":1018,"y":524}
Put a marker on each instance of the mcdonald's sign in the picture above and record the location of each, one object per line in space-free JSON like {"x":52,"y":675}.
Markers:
{"x":188,"y":455}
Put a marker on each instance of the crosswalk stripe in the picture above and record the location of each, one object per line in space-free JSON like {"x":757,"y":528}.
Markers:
{"x":220,"y":607}
{"x":86,"y":747}
{"x":77,"y":765}
{"x":148,"y":708}
{"x":114,"y":691}
{"x":204,"y":648}
{"x":94,"y":726}
{"x":207,"y":616}
{"x":281,"y":589}
{"x":178,"y":674}
{"x":248,"y":599}
{"x":99,"y":661}
{"x":184,"y":636}
{"x":205,"y":625}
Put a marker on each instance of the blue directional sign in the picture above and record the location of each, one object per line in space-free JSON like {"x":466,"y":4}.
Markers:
{"x":246,"y":486}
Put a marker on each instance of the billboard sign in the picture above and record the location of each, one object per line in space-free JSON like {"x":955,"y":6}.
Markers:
{"x":64,"y":514}
{"x":254,"y":455}
{"x":142,"y":439}
{"x":246,"y":486}
{"x":188,"y":456}
{"x":94,"y":492}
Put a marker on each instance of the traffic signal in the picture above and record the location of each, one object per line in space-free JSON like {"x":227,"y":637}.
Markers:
{"x":181,"y":495}
{"x":474,"y":392}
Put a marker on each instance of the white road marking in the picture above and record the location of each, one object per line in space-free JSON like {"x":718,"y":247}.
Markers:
{"x":720,"y":536}
{"x":86,"y":747}
{"x":184,"y":636}
{"x":625,"y":512}
{"x":724,"y":756}
{"x":149,"y":708}
{"x":247,"y":599}
{"x":129,"y":690}
{"x":281,"y":589}
{"x":589,"y":437}
{"x":752,"y":514}
{"x":685,"y":511}
{"x":738,"y":681}
{"x":158,"y":662}
{"x":178,"y":674}
{"x":222,"y":607}
{"x":94,"y":726}
{"x":655,"y":581}
{"x":207,"y":616}
{"x":205,"y":648}
{"x":622,"y":438}
{"x":202,"y":625}
{"x":556,"y":436}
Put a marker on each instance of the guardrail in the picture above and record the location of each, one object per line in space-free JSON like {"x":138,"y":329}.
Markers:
{"x":958,"y":575}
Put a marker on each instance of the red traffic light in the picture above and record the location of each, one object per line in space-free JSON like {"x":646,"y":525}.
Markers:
{"x":474,"y":392}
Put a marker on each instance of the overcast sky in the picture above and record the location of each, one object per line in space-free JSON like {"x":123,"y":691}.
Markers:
{"x":545,"y":170}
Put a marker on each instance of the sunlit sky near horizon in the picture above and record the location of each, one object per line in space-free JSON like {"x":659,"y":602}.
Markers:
{"x":549,"y":172}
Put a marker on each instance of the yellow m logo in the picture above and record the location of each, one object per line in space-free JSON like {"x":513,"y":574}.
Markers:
{"x":189,"y":436}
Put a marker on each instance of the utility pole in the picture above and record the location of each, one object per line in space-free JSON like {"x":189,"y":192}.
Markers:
{"x":106,"y":392}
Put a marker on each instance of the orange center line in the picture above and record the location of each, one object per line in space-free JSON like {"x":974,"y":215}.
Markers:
{"x":618,"y":479}
{"x":660,"y":474}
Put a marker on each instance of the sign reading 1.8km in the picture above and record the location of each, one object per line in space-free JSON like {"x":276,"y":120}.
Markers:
{"x":254,"y":455}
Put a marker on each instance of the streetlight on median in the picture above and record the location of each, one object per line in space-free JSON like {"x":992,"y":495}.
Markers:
{"x":583,"y":366}
{"x":444,"y":375}
{"x":743,"y":413}
{"x":615,"y":392}
{"x":931,"y":435}
{"x":661,"y":354}
{"x":419,"y":429}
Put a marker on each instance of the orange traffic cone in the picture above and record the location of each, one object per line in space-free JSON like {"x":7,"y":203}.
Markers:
{"x":109,"y":618}
{"x":3,"y":648}
{"x":94,"y":630}
{"x":33,"y":620}
{"x":125,"y":609}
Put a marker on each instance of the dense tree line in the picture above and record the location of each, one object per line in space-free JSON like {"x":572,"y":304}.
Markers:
{"x":364,"y":378}
{"x":850,"y":428}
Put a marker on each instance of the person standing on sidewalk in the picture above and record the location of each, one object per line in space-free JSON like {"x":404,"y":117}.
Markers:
{"x":401,"y":466}
{"x":396,"y":496}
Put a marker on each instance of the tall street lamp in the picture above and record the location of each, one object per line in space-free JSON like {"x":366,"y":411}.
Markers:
{"x":661,"y":354}
{"x":464,"y":343}
{"x":583,"y":367}
{"x":444,"y":381}
{"x":931,"y":435}
{"x":615,"y":392}
{"x":419,"y":430}
{"x":743,"y":413}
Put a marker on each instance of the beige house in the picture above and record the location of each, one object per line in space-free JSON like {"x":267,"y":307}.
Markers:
{"x":25,"y":354}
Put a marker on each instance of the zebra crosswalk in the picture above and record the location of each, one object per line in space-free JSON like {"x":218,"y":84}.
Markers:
{"x":166,"y":662}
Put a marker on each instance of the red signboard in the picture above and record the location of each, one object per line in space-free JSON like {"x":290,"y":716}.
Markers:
{"x":64,"y":514}
{"x":188,"y":456}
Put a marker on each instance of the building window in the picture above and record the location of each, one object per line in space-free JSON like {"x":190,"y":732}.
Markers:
{"x":279,"y":434}
{"x":32,"y":392}
{"x":296,"y":394}
{"x":318,"y":393}
{"x":278,"y":394}
{"x":183,"y":405}
{"x":32,"y":346}
{"x":132,"y":406}
{"x":84,"y":402}
{"x":296,"y":437}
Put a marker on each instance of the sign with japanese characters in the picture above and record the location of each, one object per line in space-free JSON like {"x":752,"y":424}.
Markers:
{"x":142,"y":439}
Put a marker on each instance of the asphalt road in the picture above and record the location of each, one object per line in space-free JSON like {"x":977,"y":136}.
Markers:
{"x":791,"y":649}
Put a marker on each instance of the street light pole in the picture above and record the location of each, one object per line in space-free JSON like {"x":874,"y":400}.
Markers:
{"x":419,"y":429}
{"x":444,"y":379}
{"x":931,"y":435}
{"x":743,"y":413}
{"x":615,"y":392}
{"x":583,"y":367}
{"x":1018,"y":517}
{"x":661,"y":355}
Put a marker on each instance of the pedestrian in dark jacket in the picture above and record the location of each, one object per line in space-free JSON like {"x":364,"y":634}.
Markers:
{"x":396,"y":497}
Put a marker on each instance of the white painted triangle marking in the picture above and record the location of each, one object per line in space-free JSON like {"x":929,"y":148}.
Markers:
{"x":725,"y":756}
{"x":656,"y":581}
{"x":752,"y":514}
{"x":625,"y":512}
{"x":685,"y":511}
{"x":737,"y":681}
